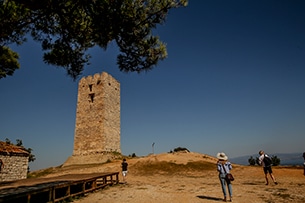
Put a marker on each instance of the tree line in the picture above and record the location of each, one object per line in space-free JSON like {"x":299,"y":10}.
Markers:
{"x":255,"y":161}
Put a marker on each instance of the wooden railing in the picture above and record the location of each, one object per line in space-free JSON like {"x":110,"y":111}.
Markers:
{"x":61,"y":189}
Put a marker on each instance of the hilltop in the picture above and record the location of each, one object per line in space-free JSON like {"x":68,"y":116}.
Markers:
{"x":188,"y":177}
{"x":159,"y":163}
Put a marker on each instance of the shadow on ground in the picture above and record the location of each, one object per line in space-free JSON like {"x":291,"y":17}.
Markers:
{"x":209,"y":198}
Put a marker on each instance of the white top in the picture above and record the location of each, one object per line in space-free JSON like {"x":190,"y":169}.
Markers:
{"x":261,"y":158}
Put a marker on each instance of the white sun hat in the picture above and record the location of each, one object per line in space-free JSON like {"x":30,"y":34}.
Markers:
{"x":222,"y":156}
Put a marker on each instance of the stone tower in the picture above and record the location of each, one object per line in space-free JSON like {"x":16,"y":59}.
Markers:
{"x":97,"y":127}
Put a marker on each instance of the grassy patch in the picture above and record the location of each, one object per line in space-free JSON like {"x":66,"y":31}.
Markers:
{"x":164,"y":167}
{"x":43,"y":172}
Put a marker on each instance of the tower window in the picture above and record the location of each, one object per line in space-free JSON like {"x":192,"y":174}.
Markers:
{"x":91,"y":96}
{"x":90,"y":87}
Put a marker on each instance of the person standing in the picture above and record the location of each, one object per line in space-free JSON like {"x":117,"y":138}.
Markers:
{"x":267,"y":166}
{"x":224,"y":167}
{"x":124,"y":170}
{"x":304,"y":162}
{"x":1,"y":165}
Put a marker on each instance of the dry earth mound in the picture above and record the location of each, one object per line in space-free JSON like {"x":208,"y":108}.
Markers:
{"x":189,"y":177}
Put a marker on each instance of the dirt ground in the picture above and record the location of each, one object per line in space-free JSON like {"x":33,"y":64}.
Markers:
{"x":190,"y":177}
{"x":249,"y":186}
{"x":193,"y":184}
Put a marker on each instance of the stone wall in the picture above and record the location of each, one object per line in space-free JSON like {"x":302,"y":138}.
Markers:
{"x":15,"y":167}
{"x":97,"y":127}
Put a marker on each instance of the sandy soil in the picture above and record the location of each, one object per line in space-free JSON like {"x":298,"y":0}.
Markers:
{"x":180,"y":178}
{"x":193,"y":185}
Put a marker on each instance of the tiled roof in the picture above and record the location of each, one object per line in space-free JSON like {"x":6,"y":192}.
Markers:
{"x":10,"y":149}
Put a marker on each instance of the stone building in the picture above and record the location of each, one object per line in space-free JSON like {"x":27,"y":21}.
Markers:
{"x":97,"y":127}
{"x":16,"y":160}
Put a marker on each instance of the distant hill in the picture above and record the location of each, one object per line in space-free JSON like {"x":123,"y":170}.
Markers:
{"x":286,"y":159}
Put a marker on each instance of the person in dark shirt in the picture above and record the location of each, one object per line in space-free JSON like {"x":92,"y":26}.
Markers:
{"x":304,"y":162}
{"x":267,"y":168}
{"x":1,"y":165}
{"x":124,"y":170}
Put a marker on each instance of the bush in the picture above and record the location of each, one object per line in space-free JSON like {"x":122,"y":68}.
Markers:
{"x":178,"y":149}
{"x":133,"y":155}
{"x":275,"y":160}
{"x":251,"y":161}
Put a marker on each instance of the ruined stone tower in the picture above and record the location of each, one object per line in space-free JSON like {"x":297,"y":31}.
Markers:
{"x":97,"y":127}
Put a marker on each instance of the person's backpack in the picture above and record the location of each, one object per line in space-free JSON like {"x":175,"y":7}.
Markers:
{"x":267,"y":160}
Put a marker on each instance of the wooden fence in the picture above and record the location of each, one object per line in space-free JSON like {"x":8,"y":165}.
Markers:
{"x":58,"y":189}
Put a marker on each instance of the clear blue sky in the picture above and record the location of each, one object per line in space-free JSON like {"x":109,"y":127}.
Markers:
{"x":234,"y":81}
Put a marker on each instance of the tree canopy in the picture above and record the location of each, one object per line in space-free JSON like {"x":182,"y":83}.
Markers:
{"x":20,"y":144}
{"x":66,"y":30}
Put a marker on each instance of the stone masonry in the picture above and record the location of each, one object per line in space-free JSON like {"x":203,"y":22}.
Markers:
{"x":15,"y":168}
{"x":97,"y":127}
{"x":15,"y":160}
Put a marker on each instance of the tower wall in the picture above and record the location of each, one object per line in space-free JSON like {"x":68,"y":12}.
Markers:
{"x":97,"y":128}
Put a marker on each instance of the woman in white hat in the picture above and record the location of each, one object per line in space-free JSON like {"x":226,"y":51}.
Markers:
{"x":224,"y":167}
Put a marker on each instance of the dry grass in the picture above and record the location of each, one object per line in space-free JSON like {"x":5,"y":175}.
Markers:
{"x":188,"y":177}
{"x":170,"y":168}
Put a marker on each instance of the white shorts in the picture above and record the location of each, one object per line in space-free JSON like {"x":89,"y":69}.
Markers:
{"x":124,"y":173}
